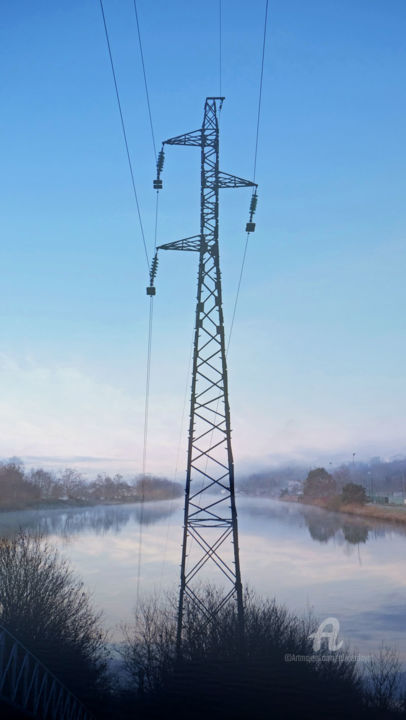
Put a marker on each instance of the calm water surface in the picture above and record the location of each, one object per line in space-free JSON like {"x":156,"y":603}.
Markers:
{"x":307,"y":558}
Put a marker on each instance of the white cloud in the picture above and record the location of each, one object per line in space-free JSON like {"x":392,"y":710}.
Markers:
{"x":60,"y":411}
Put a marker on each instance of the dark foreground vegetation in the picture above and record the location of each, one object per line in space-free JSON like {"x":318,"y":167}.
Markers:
{"x":48,"y":609}
{"x":21,"y":489}
{"x":215,"y":679}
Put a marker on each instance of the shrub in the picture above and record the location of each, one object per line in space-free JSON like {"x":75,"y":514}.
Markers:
{"x":319,"y":484}
{"x":46,"y":607}
{"x":353,"y":493}
{"x":217,"y":679}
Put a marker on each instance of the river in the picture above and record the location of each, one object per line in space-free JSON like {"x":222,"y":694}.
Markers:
{"x":335,"y":565}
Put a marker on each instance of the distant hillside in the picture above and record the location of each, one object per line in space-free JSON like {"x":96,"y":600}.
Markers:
{"x":376,"y":476}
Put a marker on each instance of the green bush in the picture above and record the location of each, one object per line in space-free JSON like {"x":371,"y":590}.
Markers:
{"x":319,"y":484}
{"x":353,"y":493}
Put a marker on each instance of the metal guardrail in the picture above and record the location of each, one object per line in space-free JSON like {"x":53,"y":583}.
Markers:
{"x":26,"y":684}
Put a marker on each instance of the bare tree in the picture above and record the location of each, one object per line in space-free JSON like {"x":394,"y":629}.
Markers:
{"x":213,"y":670}
{"x":46,"y":607}
{"x":44,"y":480}
{"x":15,"y":490}
{"x":383,"y":675}
{"x":149,"y":649}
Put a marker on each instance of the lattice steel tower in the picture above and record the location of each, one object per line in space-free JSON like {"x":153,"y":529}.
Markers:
{"x":210,"y":536}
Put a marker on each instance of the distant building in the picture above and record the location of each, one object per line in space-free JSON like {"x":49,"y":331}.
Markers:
{"x":294,"y":487}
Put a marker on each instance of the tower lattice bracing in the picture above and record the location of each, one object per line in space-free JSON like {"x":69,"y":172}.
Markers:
{"x":210,"y":535}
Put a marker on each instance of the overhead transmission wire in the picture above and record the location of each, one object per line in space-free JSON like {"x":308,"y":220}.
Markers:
{"x":124,"y":133}
{"x":220,"y":46}
{"x":220,"y":73}
{"x":145,"y":77}
{"x":150,"y":319}
{"x":254,"y":177}
{"x":175,"y":474}
{"x":241,"y":273}
{"x":220,"y":62}
{"x":244,"y":257}
{"x":149,"y":344}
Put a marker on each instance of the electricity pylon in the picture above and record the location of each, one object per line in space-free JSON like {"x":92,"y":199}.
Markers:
{"x":210,"y":515}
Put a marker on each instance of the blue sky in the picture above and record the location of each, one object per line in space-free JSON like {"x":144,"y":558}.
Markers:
{"x":317,"y":356}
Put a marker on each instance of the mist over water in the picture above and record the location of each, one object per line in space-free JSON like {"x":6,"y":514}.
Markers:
{"x":307,"y":558}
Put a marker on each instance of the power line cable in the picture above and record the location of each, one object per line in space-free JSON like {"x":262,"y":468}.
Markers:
{"x":156,"y":218}
{"x":220,"y":46}
{"x":146,"y":418}
{"x":148,"y":378}
{"x":237,"y":295}
{"x":191,"y":353}
{"x":255,"y":166}
{"x":149,"y":350}
{"x":164,"y":556}
{"x":260,"y":87}
{"x":145,"y":78}
{"x":255,"y":171}
{"x":149,"y":345}
{"x":144,"y":452}
{"x":155,"y":242}
{"x":124,"y":132}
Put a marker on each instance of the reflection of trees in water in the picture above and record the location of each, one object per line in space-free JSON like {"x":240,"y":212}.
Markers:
{"x":99,"y":520}
{"x":355,"y":534}
{"x":322,"y":524}
{"x":323,"y":528}
{"x":271,"y":510}
{"x":149,"y":514}
{"x":345,"y":528}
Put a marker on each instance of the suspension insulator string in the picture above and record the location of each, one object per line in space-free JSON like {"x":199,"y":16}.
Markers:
{"x":159,"y":168}
{"x":250,"y":226}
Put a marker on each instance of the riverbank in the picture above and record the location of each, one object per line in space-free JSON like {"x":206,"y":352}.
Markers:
{"x":386,"y":513}
{"x":41,"y":490}
{"x":82,"y":503}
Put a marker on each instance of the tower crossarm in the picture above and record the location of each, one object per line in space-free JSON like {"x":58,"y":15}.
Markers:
{"x":193,"y":243}
{"x":191,"y":138}
{"x":225,"y":180}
